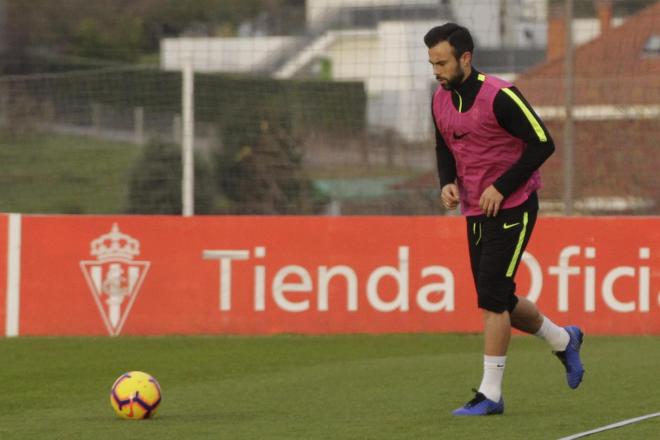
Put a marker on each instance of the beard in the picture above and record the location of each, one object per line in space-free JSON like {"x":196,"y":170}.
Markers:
{"x":453,"y":81}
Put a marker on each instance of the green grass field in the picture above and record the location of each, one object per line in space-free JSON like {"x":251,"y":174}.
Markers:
{"x":49,"y":173}
{"x":326,"y":387}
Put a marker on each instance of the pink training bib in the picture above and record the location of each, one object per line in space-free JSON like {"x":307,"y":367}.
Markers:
{"x":483,"y":150}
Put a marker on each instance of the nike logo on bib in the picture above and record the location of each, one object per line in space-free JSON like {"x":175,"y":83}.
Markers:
{"x":460,"y":136}
{"x":509,"y":226}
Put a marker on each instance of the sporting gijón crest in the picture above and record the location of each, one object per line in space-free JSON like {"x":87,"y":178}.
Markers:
{"x":114,"y":278}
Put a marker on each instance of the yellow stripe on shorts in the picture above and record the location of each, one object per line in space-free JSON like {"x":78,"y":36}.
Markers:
{"x":516,"y":253}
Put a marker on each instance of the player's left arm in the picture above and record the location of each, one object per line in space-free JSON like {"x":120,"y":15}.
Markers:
{"x":519,"y":119}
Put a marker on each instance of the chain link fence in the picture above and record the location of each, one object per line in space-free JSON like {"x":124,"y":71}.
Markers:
{"x":320,"y":108}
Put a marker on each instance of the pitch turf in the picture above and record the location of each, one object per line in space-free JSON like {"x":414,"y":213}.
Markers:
{"x":327,"y":387}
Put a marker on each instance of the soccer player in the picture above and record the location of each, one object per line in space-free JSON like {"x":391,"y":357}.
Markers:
{"x":489,"y":146}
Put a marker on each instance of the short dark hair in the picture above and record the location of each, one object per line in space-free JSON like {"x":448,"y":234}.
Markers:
{"x":458,"y":37}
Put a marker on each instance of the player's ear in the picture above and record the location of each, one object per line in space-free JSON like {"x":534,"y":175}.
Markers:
{"x":466,"y":59}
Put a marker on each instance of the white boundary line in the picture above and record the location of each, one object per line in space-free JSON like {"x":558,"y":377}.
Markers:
{"x":13,"y":274}
{"x":612,"y":426}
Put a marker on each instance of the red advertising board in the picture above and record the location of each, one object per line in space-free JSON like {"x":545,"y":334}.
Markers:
{"x":151,"y":275}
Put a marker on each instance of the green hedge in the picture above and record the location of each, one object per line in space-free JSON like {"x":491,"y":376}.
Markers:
{"x":309,"y":105}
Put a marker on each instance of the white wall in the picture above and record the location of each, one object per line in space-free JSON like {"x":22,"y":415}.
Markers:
{"x":392,"y":60}
{"x":405,"y":76}
{"x":482,"y":18}
{"x":353,"y":56}
{"x":393,"y":63}
{"x":525,"y":23}
{"x":319,"y":10}
{"x":587,"y":29}
{"x":221,"y":54}
{"x":497,"y":23}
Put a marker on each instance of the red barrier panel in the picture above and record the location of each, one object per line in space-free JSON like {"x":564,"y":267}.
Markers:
{"x":253,"y":275}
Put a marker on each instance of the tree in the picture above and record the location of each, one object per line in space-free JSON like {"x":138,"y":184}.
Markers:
{"x":155,"y":183}
{"x":260,"y":165}
{"x":124,"y":30}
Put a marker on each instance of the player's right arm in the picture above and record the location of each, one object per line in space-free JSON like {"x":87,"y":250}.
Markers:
{"x":446,"y":165}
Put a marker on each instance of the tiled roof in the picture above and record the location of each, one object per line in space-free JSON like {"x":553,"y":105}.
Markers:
{"x":610,"y":70}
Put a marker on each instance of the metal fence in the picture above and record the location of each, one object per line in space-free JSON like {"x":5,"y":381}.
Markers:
{"x":334,"y":117}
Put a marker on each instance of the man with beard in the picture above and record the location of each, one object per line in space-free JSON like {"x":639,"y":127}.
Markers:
{"x":489,"y":146}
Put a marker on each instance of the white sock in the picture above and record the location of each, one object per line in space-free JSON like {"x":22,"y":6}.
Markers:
{"x":491,"y":384}
{"x":556,"y":336}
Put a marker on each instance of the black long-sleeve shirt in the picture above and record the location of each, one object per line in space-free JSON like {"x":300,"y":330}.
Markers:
{"x":512,"y":118}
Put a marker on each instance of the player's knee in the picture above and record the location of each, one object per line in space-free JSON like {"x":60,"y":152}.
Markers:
{"x":498,"y":297}
{"x":492,"y":303}
{"x":512,"y":302}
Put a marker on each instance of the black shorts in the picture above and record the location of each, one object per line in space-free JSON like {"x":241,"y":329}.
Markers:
{"x":496,"y":247}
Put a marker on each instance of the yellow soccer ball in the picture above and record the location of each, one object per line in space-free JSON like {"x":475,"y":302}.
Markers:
{"x":135,"y":395}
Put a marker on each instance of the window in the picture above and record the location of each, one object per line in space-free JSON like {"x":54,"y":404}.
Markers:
{"x":652,"y":46}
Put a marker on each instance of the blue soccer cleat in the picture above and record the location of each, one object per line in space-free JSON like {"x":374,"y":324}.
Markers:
{"x":480,"y":406}
{"x":570,"y":357}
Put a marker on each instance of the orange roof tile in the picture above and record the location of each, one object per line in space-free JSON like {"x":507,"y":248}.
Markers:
{"x":610,"y":70}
